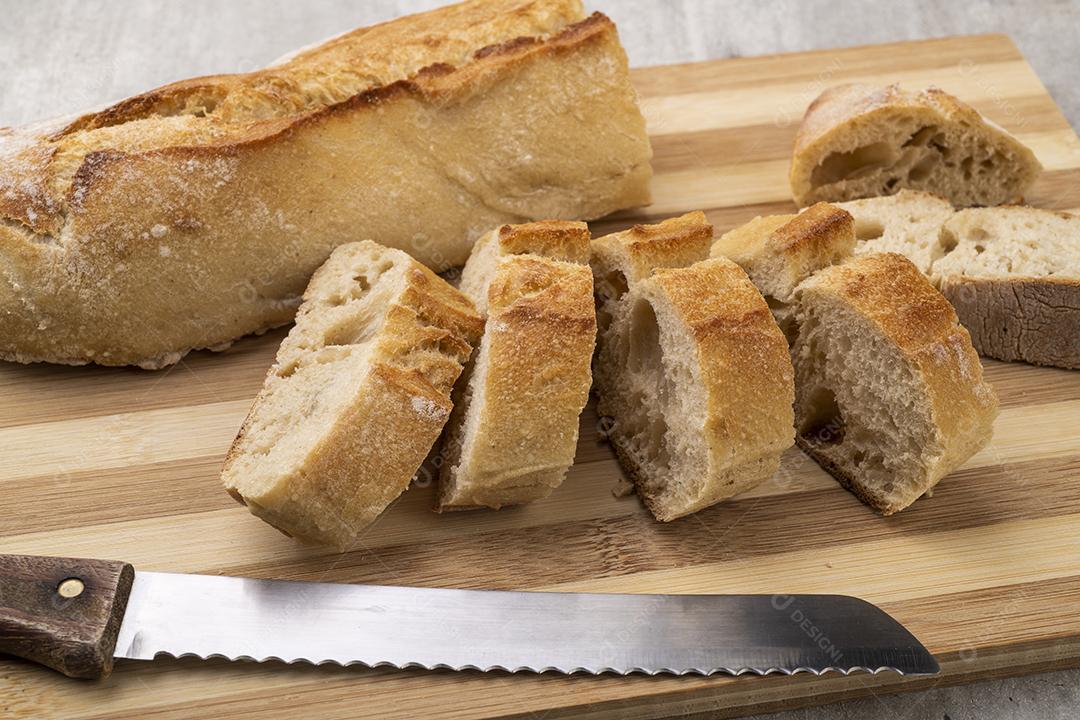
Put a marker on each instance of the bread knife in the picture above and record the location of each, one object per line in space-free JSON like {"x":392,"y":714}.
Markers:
{"x":75,"y":616}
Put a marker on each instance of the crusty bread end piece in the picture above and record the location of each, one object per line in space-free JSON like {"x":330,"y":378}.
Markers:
{"x":1013,"y":275}
{"x":780,"y":251}
{"x":357,"y":396}
{"x":857,"y":141}
{"x":697,"y":378}
{"x":890,"y":395}
{"x":513,"y":433}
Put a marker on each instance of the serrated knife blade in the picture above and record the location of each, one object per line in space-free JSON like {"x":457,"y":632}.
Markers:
{"x":212,"y":616}
{"x":406,"y":627}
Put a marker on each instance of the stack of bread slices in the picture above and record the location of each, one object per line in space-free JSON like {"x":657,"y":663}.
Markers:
{"x":899,"y":162}
{"x":889,"y":390}
{"x":699,"y":389}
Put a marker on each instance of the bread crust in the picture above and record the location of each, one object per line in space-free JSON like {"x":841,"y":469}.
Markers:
{"x":898,"y":301}
{"x":366,"y":457}
{"x":563,"y":240}
{"x":1028,"y":319}
{"x":169,"y":238}
{"x":837,"y":118}
{"x":514,"y":439}
{"x":620,"y":259}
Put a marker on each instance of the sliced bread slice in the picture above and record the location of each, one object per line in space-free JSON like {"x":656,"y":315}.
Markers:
{"x":780,"y":251}
{"x":513,"y":433}
{"x":908,"y":223}
{"x":695,"y":378}
{"x":857,"y":141}
{"x":1013,"y":275}
{"x":555,"y":239}
{"x":358,"y":395}
{"x":622,"y":258}
{"x":890,"y":395}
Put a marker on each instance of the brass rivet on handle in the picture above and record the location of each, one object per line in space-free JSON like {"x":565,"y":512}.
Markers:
{"x":70,"y":588}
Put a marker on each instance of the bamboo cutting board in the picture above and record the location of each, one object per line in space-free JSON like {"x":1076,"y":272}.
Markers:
{"x":122,"y":464}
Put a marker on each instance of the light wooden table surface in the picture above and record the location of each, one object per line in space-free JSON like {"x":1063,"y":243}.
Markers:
{"x":60,"y":56}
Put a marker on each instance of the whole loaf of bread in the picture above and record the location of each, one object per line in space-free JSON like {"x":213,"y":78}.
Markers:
{"x":194,"y":214}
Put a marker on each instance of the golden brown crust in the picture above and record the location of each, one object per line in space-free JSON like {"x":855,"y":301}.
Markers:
{"x":838,"y":104}
{"x":742,"y":355}
{"x":435,"y":303}
{"x":515,"y":437}
{"x":675,"y":242}
{"x":814,"y":231}
{"x":556,"y":239}
{"x":567,"y":241}
{"x":37,"y":191}
{"x":189,"y":238}
{"x":890,"y":290}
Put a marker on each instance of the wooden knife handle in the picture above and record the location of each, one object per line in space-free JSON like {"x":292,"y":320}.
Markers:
{"x":63,"y":613}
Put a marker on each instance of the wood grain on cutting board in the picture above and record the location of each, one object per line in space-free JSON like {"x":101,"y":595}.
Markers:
{"x":123,"y":464}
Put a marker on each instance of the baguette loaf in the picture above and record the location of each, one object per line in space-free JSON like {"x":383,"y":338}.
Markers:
{"x":692,"y":372}
{"x":890,"y":396}
{"x":513,"y":432}
{"x":359,"y":393}
{"x":194,"y":214}
{"x":857,"y":142}
{"x":1013,"y":275}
